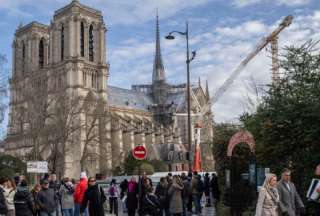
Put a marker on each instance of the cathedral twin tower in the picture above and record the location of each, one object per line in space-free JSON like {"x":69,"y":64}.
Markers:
{"x":70,"y":54}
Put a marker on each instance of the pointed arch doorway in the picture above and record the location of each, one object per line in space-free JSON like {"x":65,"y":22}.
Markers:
{"x":241,"y":176}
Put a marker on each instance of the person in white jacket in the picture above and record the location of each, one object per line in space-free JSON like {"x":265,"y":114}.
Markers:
{"x":9,"y":192}
{"x":268,"y":200}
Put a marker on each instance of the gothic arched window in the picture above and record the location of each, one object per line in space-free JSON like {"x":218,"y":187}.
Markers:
{"x":23,"y":55}
{"x":41,"y":53}
{"x":91,"y":43}
{"x":62,"y":42}
{"x":82,"y":40}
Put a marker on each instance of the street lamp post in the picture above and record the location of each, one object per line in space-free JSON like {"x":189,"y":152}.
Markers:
{"x":171,"y":37}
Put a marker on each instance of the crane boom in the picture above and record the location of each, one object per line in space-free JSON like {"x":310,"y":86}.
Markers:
{"x":263,"y":43}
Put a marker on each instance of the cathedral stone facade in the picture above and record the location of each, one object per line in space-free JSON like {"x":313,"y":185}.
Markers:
{"x":67,"y":60}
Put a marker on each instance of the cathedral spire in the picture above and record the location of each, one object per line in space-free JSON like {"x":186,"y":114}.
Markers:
{"x":207,"y":91}
{"x":158,"y":69}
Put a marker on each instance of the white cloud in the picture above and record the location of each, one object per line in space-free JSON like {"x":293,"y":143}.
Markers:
{"x":291,"y":3}
{"x":116,"y":12}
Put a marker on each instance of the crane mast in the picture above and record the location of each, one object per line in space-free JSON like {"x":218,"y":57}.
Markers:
{"x":271,"y":38}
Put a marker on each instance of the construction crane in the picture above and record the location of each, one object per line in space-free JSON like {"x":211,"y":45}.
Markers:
{"x":271,"y":38}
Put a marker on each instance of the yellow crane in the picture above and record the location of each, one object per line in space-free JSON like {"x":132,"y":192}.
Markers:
{"x":271,"y":38}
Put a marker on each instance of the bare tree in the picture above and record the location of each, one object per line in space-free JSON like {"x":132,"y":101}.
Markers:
{"x":96,"y":117}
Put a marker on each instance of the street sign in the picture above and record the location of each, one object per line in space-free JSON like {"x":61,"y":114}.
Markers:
{"x":139,"y":152}
{"x":37,"y":167}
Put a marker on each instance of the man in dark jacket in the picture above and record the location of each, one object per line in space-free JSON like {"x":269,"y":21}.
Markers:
{"x":55,"y":185}
{"x":207,"y":189}
{"x":215,"y":188}
{"x":47,"y":200}
{"x":3,"y":205}
{"x":94,"y":195}
{"x":161,"y":193}
{"x":23,"y":201}
{"x":290,"y":201}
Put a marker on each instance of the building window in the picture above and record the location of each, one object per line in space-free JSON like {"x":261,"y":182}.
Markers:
{"x":48,"y":58}
{"x":82,"y":40}
{"x":94,"y":80}
{"x":59,"y":82}
{"x":23,"y":56}
{"x":41,"y":53}
{"x":62,"y":42}
{"x":84,"y":78}
{"x":91,"y":43}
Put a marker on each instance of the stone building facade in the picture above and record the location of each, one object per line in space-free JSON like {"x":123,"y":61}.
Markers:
{"x":68,"y":58}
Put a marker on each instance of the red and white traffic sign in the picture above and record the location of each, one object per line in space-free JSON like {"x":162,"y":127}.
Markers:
{"x":139,"y":152}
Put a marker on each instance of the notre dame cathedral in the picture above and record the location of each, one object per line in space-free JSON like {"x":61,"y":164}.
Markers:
{"x":62,"y":109}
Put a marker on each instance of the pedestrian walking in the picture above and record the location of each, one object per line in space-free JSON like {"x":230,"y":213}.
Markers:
{"x":23,"y":201}
{"x":113,"y":197}
{"x":34,"y":192}
{"x":9,"y":192}
{"x":94,"y":198}
{"x":175,"y":196}
{"x":132,"y":197}
{"x":290,"y":201}
{"x":190,"y":198}
{"x":123,"y":188}
{"x":144,"y":183}
{"x":3,"y":202}
{"x":79,"y":191}
{"x":47,"y":200}
{"x":66,"y":192}
{"x":55,"y":185}
{"x":150,"y":203}
{"x":185,"y":193}
{"x":207,"y":189}
{"x":268,"y":200}
{"x":197,"y":190}
{"x":314,"y":205}
{"x":215,"y":191}
{"x":161,"y":193}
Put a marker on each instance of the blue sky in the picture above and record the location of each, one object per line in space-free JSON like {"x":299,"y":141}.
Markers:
{"x":222,"y":32}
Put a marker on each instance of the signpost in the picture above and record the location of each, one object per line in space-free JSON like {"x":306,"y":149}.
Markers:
{"x":37,"y":167}
{"x":139,"y":153}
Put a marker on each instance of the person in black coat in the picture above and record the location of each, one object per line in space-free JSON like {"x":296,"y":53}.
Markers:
{"x":161,"y":193}
{"x":123,"y":188}
{"x":215,"y":188}
{"x":132,"y":197}
{"x":23,"y":201}
{"x":150,"y":203}
{"x":95,"y":196}
{"x":207,"y":188}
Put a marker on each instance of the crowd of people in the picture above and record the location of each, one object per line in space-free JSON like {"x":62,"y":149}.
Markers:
{"x":173,"y":195}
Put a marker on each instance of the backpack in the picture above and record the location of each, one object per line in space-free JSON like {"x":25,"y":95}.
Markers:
{"x":112,"y":191}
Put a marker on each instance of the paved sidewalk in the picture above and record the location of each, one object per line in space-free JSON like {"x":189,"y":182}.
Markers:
{"x":207,"y":211}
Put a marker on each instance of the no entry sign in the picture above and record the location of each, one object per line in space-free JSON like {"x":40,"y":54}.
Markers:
{"x":139,"y":152}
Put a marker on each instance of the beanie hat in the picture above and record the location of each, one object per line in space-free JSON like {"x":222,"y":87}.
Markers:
{"x":83,"y":175}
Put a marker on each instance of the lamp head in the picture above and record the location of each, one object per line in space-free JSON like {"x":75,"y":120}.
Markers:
{"x":169,"y":37}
